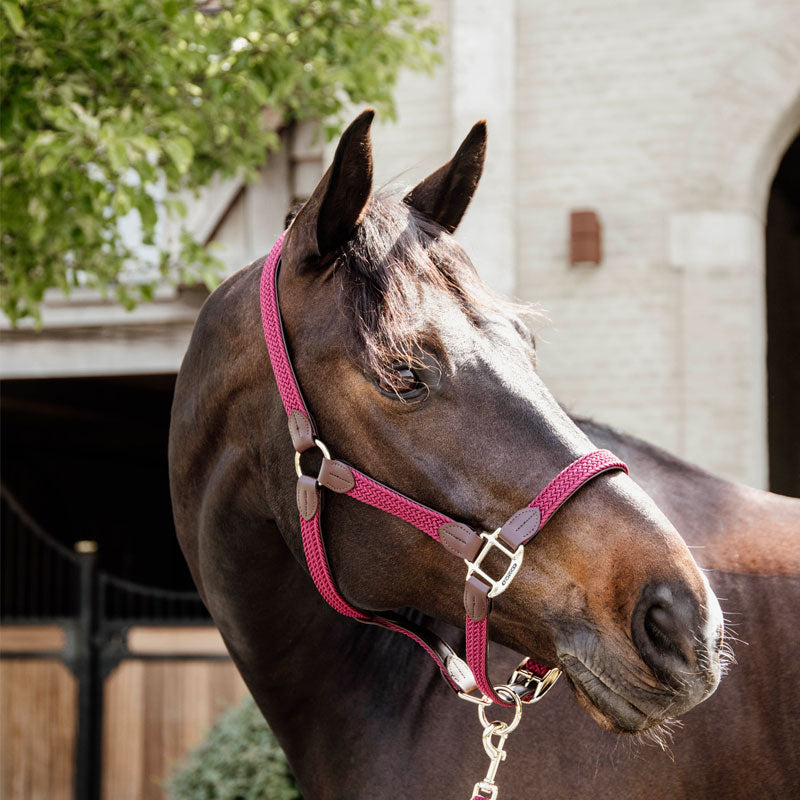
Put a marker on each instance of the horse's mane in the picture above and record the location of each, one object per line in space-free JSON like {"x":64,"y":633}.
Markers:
{"x":395,"y":257}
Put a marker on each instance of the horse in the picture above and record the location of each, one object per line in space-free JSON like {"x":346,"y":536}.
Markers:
{"x":421,"y":378}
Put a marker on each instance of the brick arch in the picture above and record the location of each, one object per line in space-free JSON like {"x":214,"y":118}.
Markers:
{"x":747,"y":117}
{"x":783,"y":133}
{"x":750,"y":113}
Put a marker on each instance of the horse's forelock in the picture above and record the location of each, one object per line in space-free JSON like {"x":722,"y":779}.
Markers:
{"x":395,"y":256}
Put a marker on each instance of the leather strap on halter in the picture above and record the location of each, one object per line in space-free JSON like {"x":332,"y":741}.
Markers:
{"x":456,"y":537}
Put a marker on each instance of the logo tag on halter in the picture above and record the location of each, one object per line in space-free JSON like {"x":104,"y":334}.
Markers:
{"x":461,"y":674}
{"x":506,"y":579}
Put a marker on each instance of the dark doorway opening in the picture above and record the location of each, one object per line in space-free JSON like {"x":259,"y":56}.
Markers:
{"x":783,"y":324}
{"x":86,"y":458}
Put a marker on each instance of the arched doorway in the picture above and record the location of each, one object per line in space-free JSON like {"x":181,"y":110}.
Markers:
{"x":783,"y":324}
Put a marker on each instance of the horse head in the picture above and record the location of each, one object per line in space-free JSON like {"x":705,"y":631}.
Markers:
{"x":421,"y":378}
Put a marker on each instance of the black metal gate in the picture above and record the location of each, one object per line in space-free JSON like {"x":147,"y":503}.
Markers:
{"x":45,"y":582}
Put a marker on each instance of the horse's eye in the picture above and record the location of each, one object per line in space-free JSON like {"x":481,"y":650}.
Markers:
{"x":403,"y":383}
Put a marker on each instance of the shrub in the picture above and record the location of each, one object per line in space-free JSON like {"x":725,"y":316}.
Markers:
{"x":239,"y":760}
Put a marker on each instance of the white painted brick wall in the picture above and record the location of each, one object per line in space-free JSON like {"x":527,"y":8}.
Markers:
{"x":645,"y":111}
{"x":665,"y":117}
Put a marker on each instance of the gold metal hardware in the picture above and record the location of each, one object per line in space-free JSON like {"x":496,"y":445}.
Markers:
{"x":515,"y":556}
{"x":484,"y":786}
{"x":483,"y":700}
{"x":507,"y":693}
{"x":324,"y":450}
{"x":487,"y":788}
{"x":524,"y":677}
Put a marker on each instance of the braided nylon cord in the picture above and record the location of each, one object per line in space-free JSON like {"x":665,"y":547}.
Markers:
{"x":379,"y":496}
{"x":411,"y":635}
{"x":311,"y":531}
{"x":548,"y":501}
{"x":476,"y":658}
{"x":314,"y":550}
{"x":366,"y":490}
{"x":273,"y":333}
{"x":570,"y":479}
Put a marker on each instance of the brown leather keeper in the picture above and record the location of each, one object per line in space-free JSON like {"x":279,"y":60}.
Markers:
{"x":476,"y":599}
{"x":460,"y":539}
{"x":301,"y":432}
{"x":307,"y":498}
{"x":521,"y":527}
{"x":336,"y":476}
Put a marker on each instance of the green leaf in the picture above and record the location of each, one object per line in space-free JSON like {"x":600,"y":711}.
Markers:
{"x":176,"y":206}
{"x":180,"y":150}
{"x":117,"y":155}
{"x":122,"y":201}
{"x":49,"y":164}
{"x":147,"y":211}
{"x":14,"y":16}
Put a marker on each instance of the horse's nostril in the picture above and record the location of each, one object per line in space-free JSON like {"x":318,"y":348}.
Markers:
{"x":663,"y":629}
{"x":664,"y":626}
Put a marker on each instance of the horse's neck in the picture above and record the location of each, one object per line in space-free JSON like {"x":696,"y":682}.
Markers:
{"x":732,"y":527}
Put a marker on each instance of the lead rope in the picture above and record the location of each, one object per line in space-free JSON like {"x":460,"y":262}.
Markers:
{"x":531,"y":680}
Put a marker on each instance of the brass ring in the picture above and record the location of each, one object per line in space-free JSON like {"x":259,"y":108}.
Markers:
{"x":507,"y":693}
{"x":319,"y":444}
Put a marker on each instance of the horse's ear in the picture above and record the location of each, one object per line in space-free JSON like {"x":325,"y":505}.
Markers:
{"x":445,"y":194}
{"x":330,"y":215}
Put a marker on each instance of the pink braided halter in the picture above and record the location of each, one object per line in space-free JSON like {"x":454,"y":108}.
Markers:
{"x":456,"y":537}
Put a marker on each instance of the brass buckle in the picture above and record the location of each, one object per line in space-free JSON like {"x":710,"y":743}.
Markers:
{"x":515,"y":556}
{"x":524,"y":677}
{"x":320,"y":445}
{"x":481,"y":700}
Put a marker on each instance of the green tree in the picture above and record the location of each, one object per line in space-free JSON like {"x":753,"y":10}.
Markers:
{"x":108,"y":104}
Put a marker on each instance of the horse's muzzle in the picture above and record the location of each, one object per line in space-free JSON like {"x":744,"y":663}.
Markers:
{"x":678,"y":638}
{"x":675,"y":636}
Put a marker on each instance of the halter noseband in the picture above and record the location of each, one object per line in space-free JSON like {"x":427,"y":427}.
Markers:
{"x":531,"y":680}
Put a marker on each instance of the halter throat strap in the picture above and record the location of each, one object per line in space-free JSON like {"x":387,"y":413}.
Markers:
{"x":458,"y":538}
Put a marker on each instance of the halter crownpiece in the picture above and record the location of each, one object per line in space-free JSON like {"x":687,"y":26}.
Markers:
{"x":531,"y":680}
